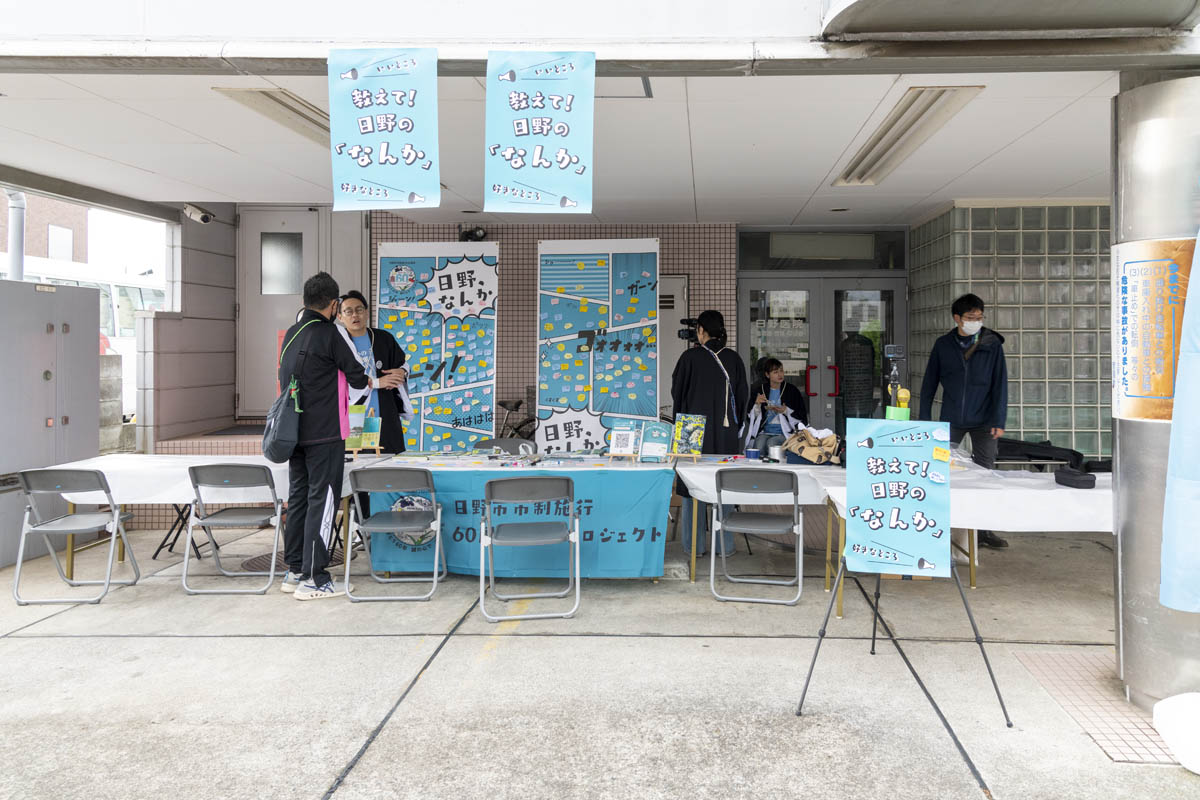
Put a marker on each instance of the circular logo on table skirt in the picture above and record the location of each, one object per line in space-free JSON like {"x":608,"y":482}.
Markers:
{"x":401,"y":278}
{"x":412,"y":538}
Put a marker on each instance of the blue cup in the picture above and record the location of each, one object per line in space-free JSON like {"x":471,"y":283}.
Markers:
{"x":752,"y":453}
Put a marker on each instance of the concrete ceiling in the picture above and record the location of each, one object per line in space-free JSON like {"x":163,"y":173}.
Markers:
{"x":751,"y":150}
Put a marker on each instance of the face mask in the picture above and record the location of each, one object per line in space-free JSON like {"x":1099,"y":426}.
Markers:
{"x":970,"y":327}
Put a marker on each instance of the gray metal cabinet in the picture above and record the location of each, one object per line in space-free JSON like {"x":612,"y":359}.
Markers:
{"x":49,"y":388}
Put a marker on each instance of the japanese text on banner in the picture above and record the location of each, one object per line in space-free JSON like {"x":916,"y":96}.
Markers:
{"x":898,"y":497}
{"x":538,"y":148}
{"x":383,"y":129}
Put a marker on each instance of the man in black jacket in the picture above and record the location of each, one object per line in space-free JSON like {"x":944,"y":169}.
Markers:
{"x":969,"y":363}
{"x":315,"y":470}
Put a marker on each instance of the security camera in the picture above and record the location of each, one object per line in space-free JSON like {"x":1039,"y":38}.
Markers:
{"x":198,"y":214}
{"x":471,"y":233}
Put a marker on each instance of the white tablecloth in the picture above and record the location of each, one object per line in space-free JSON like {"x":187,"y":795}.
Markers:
{"x":134,"y":478}
{"x":701,"y":481}
{"x":1010,"y":500}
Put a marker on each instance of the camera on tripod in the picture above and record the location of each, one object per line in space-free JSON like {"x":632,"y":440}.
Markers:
{"x":688,"y":333}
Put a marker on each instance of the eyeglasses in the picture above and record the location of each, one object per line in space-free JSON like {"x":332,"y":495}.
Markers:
{"x":354,"y":312}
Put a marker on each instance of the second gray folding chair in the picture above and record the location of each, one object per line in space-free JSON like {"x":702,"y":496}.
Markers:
{"x":755,"y":481}
{"x":397,"y":480}
{"x":43,"y":489}
{"x":492,"y":534}
{"x":216,"y":477}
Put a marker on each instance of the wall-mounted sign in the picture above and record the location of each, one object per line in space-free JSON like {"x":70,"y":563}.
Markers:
{"x":538,"y":148}
{"x":383,"y":129}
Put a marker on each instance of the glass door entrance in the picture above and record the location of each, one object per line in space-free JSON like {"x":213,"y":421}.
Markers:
{"x":830,"y":335}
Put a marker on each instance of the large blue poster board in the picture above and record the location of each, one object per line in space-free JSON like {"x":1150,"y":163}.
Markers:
{"x":538,"y":146}
{"x":898,"y":497}
{"x":597,"y":339}
{"x":438,"y":300}
{"x":622,"y":525}
{"x":383,"y":129}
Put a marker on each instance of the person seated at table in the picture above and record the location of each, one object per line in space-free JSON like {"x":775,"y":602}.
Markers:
{"x":710,"y":379}
{"x":777,"y":410}
{"x":381,"y":358}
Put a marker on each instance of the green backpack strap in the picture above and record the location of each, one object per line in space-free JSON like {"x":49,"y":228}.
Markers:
{"x":293,"y":387}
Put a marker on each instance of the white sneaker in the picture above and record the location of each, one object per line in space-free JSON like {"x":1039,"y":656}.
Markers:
{"x":310,"y":591}
{"x":291,"y":580}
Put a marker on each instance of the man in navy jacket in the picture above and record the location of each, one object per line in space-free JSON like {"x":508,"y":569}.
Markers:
{"x":969,"y":364}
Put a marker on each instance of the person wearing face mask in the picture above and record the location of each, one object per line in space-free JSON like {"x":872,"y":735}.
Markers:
{"x":968,"y":362}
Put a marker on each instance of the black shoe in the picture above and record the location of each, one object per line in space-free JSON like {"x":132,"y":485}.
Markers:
{"x":989,"y":539}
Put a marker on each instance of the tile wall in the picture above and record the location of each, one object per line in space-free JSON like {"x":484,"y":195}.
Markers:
{"x":1044,"y":273}
{"x":707,"y":254}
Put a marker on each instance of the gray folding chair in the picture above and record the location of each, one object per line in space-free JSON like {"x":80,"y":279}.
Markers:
{"x":40,"y":486}
{"x":397,"y":480}
{"x":752,"y":480}
{"x":510,"y":445}
{"x":232,"y":476}
{"x":530,"y":489}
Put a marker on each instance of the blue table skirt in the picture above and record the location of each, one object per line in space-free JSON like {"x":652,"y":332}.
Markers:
{"x":622,"y":523}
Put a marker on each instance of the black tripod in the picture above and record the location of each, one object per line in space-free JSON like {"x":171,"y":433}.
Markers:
{"x":841,"y":574}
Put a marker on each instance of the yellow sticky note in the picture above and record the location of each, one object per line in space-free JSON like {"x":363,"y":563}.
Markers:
{"x":602,"y":324}
{"x":408,"y":322}
{"x":603,"y":390}
{"x":403,"y":314}
{"x":602,"y":262}
{"x":632,"y":396}
{"x":633,"y":300}
{"x":651,"y":314}
{"x":568,"y":326}
{"x":581,"y":397}
{"x":587,"y":388}
{"x":630,"y":309}
{"x":412,"y":348}
{"x":603,"y":309}
{"x":481,"y":333}
{"x":462,"y":370}
{"x":429,"y":429}
{"x":391,"y":317}
{"x":482,"y":363}
{"x":548,"y":326}
{"x":652,"y":339}
{"x":424,"y":360}
{"x":579,"y":265}
{"x":578,"y":362}
{"x":412,"y":442}
{"x":545,"y":363}
{"x":387,"y":325}
{"x":543,"y":386}
{"x":941,"y":454}
{"x":562,"y":346}
{"x":559,"y":289}
{"x":425,"y":332}
{"x":459,"y":343}
{"x":433,"y":400}
{"x":647,"y":331}
{"x":427,"y":350}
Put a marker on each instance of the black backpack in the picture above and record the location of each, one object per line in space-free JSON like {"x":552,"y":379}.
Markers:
{"x":283,"y":420}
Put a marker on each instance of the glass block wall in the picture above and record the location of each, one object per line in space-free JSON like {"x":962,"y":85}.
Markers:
{"x":1043,"y":272}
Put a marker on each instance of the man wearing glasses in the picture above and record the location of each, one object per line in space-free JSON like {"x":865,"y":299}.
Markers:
{"x":382,"y":359}
{"x":968,"y":362}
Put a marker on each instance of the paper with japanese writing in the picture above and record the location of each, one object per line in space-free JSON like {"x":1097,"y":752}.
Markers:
{"x":898,"y":497}
{"x":383,"y":129}
{"x":597,"y":339}
{"x":439,"y":301}
{"x":538,"y":132}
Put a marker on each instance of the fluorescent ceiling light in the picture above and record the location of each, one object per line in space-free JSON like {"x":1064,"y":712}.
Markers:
{"x":921,"y":112}
{"x":290,"y":110}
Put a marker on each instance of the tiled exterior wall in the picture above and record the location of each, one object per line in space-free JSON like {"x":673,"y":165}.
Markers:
{"x":186,"y":360}
{"x":1043,"y":272}
{"x":707,"y":254}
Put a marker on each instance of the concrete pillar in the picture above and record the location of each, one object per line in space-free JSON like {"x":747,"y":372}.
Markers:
{"x":1156,"y":214}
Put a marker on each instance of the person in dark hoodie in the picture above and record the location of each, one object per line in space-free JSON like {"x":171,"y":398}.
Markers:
{"x":314,"y":351}
{"x":968,"y":362}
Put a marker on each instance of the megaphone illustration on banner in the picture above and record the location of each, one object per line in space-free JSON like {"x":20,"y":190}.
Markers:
{"x":567,"y":202}
{"x":413,"y":197}
{"x":351,"y":74}
{"x":923,"y":564}
{"x":509,"y":76}
{"x":867,"y":443}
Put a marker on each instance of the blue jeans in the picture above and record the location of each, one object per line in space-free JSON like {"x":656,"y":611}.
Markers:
{"x":702,"y":532}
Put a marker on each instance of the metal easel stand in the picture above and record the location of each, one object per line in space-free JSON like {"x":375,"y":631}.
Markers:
{"x":876,"y":619}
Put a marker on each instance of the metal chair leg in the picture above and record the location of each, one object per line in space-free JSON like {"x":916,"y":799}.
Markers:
{"x":270,"y":573}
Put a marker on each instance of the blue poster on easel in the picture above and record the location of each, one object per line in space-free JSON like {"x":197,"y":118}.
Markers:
{"x":898,"y":497}
{"x":538,"y":145}
{"x":383,"y":129}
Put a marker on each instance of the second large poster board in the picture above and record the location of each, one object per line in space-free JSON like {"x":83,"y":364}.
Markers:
{"x":597,"y":339}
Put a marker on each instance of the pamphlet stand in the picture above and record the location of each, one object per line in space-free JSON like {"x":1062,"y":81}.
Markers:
{"x":877,"y":621}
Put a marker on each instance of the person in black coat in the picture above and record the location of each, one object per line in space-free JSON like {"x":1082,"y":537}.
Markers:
{"x":381,"y":356}
{"x":710,"y":380}
{"x":776,"y":410}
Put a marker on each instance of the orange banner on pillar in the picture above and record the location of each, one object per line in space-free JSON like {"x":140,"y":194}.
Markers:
{"x":1150,"y":284}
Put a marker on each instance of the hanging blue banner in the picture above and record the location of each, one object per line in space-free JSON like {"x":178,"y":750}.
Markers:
{"x":898,"y":497}
{"x":538,"y":150}
{"x":622,"y":525}
{"x":1178,"y":587}
{"x":383,"y":129}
